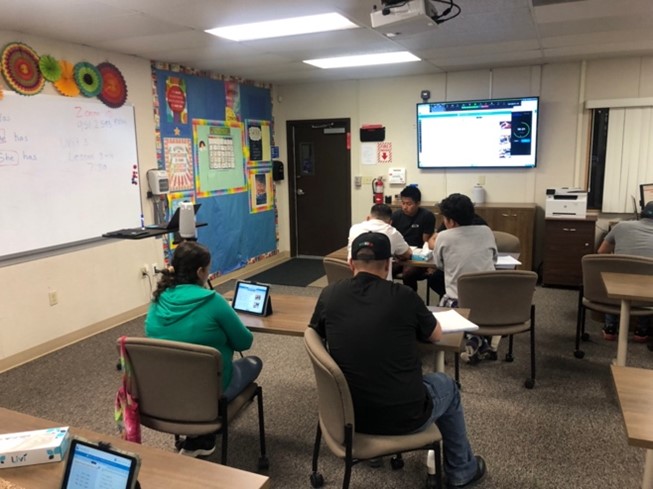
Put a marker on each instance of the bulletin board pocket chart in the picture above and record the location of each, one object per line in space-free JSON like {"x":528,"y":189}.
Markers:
{"x":68,"y":171}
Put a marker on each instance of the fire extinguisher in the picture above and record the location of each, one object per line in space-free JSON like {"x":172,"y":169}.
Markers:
{"x":377,"y":190}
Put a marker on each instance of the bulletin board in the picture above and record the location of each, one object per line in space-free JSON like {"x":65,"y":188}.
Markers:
{"x":204,"y":145}
{"x":68,"y":171}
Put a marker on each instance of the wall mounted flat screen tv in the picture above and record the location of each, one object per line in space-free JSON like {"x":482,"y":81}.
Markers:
{"x":492,"y":133}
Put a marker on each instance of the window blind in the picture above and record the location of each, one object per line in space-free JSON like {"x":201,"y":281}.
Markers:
{"x":629,"y":157}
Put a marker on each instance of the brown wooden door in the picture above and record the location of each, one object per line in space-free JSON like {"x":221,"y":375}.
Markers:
{"x":319,"y":178}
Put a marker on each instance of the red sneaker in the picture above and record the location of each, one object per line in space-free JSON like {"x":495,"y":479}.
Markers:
{"x":610,"y":334}
{"x":641,"y":335}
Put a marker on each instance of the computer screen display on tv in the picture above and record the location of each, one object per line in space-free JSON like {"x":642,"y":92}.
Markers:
{"x":484,"y":133}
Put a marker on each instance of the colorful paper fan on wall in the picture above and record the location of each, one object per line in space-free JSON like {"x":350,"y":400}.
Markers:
{"x":88,"y":78}
{"x":114,"y":88}
{"x":20,"y":68}
{"x":66,"y":84}
{"x":50,"y":68}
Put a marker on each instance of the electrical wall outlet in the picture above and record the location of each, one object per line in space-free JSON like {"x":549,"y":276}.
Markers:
{"x":53,"y":298}
{"x":145,"y":271}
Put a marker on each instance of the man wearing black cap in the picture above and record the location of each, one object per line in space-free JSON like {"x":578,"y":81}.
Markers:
{"x":372,"y":327}
{"x":630,"y":238}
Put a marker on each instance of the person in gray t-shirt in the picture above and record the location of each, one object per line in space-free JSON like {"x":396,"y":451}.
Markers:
{"x":463,"y":248}
{"x":630,"y":238}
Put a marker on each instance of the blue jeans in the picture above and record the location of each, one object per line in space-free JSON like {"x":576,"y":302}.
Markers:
{"x":459,"y":462}
{"x":245,"y":371}
{"x":643,"y":323}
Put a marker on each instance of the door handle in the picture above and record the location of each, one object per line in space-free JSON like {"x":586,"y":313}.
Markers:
{"x":300,"y":191}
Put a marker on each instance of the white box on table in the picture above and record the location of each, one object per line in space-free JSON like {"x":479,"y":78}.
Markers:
{"x":33,"y":447}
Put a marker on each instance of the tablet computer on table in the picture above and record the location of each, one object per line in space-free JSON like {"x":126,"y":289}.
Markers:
{"x":97,"y":465}
{"x":252,"y":298}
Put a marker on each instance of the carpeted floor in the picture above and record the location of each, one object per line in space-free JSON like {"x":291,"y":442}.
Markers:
{"x":566,"y":433}
{"x":298,"y":272}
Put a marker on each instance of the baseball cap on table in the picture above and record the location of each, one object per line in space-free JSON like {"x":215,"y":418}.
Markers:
{"x":378,"y":243}
{"x":647,"y":211}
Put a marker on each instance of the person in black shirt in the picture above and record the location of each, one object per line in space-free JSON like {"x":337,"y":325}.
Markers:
{"x":416,"y":225}
{"x":372,"y":327}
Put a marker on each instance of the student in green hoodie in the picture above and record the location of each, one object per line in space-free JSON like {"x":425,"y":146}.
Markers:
{"x":183,"y":309}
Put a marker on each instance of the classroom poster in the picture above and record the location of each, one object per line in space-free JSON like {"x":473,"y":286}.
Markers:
{"x":176,"y":100}
{"x":259,"y":142}
{"x":179,"y":163}
{"x":220,"y":158}
{"x":232,"y":98}
{"x":261,"y":191}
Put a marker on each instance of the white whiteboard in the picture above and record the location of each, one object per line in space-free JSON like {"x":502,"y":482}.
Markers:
{"x":66,"y":169}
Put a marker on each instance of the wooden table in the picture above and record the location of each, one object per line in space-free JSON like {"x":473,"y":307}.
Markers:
{"x":341,"y":254}
{"x":635,"y":392}
{"x":290,"y":315}
{"x":628,"y":287}
{"x":159,"y":469}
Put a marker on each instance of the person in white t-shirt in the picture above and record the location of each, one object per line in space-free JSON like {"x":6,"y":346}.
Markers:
{"x":379,"y":222}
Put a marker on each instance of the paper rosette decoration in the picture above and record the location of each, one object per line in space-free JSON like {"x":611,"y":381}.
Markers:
{"x":20,"y":68}
{"x":50,"y":68}
{"x":66,"y":85}
{"x":88,"y":79}
{"x":114,"y":88}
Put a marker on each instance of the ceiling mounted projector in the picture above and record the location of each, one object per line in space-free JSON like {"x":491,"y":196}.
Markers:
{"x":404,"y":18}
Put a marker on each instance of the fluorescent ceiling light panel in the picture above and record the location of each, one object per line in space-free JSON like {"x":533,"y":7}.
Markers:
{"x":363,"y":60}
{"x":284,"y":27}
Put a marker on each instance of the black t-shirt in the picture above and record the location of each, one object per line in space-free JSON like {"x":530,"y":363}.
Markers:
{"x":413,"y":228}
{"x":372,"y":327}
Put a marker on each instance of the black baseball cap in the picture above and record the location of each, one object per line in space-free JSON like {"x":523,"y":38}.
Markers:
{"x":378,"y":243}
{"x":647,"y":211}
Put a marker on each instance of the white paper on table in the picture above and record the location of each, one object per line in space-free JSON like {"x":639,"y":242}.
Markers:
{"x":452,"y":322}
{"x":506,"y":261}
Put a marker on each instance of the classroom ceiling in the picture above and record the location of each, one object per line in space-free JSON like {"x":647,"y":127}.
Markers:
{"x":488,"y":33}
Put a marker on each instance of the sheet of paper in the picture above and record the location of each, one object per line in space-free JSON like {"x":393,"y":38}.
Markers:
{"x":368,"y":154}
{"x":452,"y":322}
{"x":506,"y":261}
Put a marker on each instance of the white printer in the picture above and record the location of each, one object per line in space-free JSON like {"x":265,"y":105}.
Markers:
{"x":566,"y":202}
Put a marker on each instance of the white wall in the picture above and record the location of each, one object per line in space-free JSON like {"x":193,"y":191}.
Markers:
{"x":563,"y":144}
{"x":97,"y":286}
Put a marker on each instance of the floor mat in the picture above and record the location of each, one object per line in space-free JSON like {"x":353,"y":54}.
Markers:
{"x":298,"y":272}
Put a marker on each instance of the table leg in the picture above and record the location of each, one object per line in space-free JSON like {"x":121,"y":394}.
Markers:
{"x":624,"y":324}
{"x":439,"y":361}
{"x":647,"y":482}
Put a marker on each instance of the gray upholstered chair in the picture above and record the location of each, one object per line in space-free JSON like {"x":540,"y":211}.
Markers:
{"x":501,"y":304}
{"x":336,"y":269}
{"x":507,"y":243}
{"x":178,"y":387}
{"x":592,"y":294}
{"x":336,"y":423}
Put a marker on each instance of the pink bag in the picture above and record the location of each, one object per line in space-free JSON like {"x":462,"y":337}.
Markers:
{"x":126,"y":412}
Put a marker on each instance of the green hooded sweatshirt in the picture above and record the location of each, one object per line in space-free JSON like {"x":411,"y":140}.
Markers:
{"x":193,"y":314}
